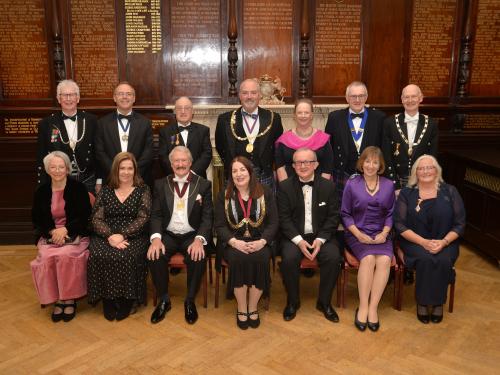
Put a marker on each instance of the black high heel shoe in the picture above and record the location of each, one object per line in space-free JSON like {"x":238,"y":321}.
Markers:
{"x":242,"y":324}
{"x":359,"y":325}
{"x":437,"y":318}
{"x":124,"y":308}
{"x":254,"y":323}
{"x":424,"y":318}
{"x":67,"y":317}
{"x":373,"y":326}
{"x":58,"y":317}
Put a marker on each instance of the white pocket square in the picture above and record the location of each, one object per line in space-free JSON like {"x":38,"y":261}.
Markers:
{"x":322,"y":204}
{"x":198,"y":198}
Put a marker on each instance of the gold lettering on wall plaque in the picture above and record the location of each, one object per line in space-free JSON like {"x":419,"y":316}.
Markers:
{"x":431,"y":45}
{"x":337,"y":45}
{"x":20,"y":126}
{"x":485,"y":72}
{"x":196,"y":48}
{"x":24,"y":67}
{"x":482,"y":121}
{"x":94,"y":47}
{"x":143,"y":26}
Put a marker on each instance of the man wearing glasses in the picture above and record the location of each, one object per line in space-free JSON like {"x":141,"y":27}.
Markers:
{"x":125,"y":130}
{"x":72,"y":132}
{"x":352,"y":130}
{"x":196,"y":137}
{"x":407,"y":136}
{"x":309,"y":216}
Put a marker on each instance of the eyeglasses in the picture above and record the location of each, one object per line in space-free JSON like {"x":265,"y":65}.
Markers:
{"x":427,"y":168}
{"x":69,"y":95}
{"x":184,"y":108}
{"x":125,"y":94}
{"x":57,"y":169}
{"x":305,"y":163}
{"x":357,"y":97}
{"x":410,"y":97}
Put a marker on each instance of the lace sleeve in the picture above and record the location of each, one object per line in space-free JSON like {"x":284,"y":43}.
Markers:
{"x":401,"y":212}
{"x":458,"y":211}
{"x":143,"y":214}
{"x":98,"y":221}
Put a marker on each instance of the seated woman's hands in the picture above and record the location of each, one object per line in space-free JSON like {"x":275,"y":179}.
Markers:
{"x":380,"y":238}
{"x":247,"y":247}
{"x":59,"y":235}
{"x":117,"y":241}
{"x":433,"y":246}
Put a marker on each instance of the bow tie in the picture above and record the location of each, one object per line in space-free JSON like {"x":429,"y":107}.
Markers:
{"x":411,"y":119}
{"x":181,"y":180}
{"x":187,"y":128}
{"x":308,"y":183}
{"x":66,"y":117}
{"x":254,"y":116}
{"x":127,"y":117}
{"x":354,"y":115}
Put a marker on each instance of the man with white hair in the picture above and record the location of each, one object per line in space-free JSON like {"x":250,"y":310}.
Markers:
{"x":72,"y":132}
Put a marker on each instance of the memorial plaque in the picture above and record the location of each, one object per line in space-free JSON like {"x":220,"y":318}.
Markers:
{"x":337,"y":46}
{"x":196,"y":48}
{"x":24,"y":67}
{"x":485,"y":72}
{"x":432,"y":45}
{"x":268,"y":40}
{"x":94,"y":47}
{"x":482,"y":121}
{"x":19,"y":127}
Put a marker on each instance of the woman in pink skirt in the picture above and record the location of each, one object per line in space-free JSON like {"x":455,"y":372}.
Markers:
{"x":60,"y":214}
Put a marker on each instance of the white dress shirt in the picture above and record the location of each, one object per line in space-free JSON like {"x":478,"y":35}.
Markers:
{"x":411,"y":127}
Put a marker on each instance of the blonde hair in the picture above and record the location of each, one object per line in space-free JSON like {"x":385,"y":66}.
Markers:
{"x":413,"y":180}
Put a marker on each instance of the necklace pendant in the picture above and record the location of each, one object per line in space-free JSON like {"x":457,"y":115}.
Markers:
{"x":124,"y":137}
{"x":249,"y":148}
{"x":410,"y":151}
{"x":72,"y":144}
{"x":247,"y":232}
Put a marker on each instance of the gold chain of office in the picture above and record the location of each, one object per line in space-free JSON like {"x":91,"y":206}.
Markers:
{"x":245,"y":221}
{"x":233,"y":123}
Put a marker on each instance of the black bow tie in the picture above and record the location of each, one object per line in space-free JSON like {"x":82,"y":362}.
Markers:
{"x":121,"y":117}
{"x":252,"y":115}
{"x":308,"y":183}
{"x":66,"y":117}
{"x":354,"y":115}
{"x":188,"y":128}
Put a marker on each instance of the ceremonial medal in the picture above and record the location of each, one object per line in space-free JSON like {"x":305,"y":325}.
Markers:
{"x":247,"y":233}
{"x":249,"y":148}
{"x":177,"y":140}
{"x":72,"y":144}
{"x":124,"y":137}
{"x":396,"y":153}
{"x":410,"y":151}
{"x":180,"y":205}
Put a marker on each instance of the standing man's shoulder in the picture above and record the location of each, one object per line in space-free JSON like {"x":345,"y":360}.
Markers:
{"x":202,"y":127}
{"x":376,"y":114}
{"x":107,"y":118}
{"x":88,"y":116}
{"x":339,"y":114}
{"x":225,"y":117}
{"x":140,"y":117}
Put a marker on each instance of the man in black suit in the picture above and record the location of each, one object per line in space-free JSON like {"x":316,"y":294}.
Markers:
{"x":72,"y":132}
{"x":309,"y":216}
{"x":249,"y":131}
{"x":407,"y":136}
{"x":194,"y":136}
{"x":352,"y":130}
{"x":124,"y":130}
{"x":181,"y":221}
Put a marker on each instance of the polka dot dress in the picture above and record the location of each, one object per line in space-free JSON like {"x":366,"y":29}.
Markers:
{"x":112,"y":272}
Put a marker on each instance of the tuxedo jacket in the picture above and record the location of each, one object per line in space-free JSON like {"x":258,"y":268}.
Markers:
{"x":198,"y":143}
{"x":229,"y":147}
{"x":77,"y":209}
{"x":140,"y":143}
{"x":291,"y":208}
{"x":399,"y":165}
{"x":50,"y":131}
{"x":345,"y":154}
{"x":200,"y":206}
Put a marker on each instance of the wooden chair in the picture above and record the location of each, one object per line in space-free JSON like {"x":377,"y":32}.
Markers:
{"x":177,"y":261}
{"x":401,"y":261}
{"x":224,"y":266}
{"x":313,"y":264}
{"x":352,"y":263}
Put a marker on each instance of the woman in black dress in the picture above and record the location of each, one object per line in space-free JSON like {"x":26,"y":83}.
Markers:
{"x":246,"y":221}
{"x":117,"y":263}
{"x":429,"y":217}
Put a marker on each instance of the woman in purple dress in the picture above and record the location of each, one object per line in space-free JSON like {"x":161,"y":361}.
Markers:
{"x":367,"y":206}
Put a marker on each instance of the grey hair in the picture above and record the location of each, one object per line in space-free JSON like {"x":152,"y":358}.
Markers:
{"x":182,"y":149}
{"x":68,"y":83}
{"x":306,"y":149}
{"x":255,"y":80}
{"x":57,"y":154}
{"x":355,"y":84}
{"x":413,"y":180}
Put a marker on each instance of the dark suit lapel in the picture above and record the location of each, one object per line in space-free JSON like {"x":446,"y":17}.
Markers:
{"x":193,"y":192}
{"x":299,"y":199}
{"x":402,"y":125}
{"x":420,"y":127}
{"x":168,"y":192}
{"x":113,"y":133}
{"x":133,"y":133}
{"x":346,"y":135}
{"x":80,"y":119}
{"x":264,"y":122}
{"x":63,"y":136}
{"x":315,"y":203}
{"x":238,"y":128}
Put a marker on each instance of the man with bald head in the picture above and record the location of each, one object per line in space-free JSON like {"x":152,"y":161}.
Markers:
{"x":196,"y":137}
{"x":249,"y":131}
{"x":407,"y":136}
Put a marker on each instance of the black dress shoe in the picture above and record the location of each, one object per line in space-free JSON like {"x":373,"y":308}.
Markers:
{"x":359,"y":325}
{"x":328,"y":311}
{"x":161,"y":309}
{"x":109,"y":309}
{"x":190,"y":313}
{"x":254,"y":323}
{"x":67,"y":317}
{"x":437,"y":318}
{"x":290,"y":311}
{"x":58,"y":317}
{"x":242,"y":324}
{"x":373,"y":326}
